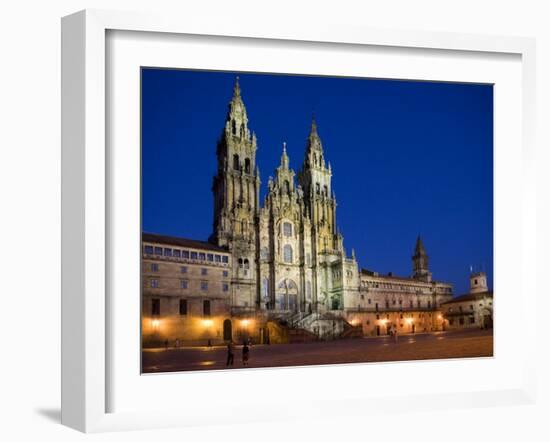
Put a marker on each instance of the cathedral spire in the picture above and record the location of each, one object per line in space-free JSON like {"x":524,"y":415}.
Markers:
{"x":313,"y":124}
{"x":236,"y":115}
{"x":419,"y":248}
{"x":314,"y":141}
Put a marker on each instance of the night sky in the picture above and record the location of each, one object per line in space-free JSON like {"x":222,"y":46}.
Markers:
{"x":407,"y":158}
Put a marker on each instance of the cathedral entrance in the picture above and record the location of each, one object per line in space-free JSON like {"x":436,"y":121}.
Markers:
{"x":293,"y":303}
{"x":287,"y":295}
{"x":227,"y":330}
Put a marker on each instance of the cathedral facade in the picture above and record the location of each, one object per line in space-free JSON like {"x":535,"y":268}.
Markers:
{"x":285,"y":270}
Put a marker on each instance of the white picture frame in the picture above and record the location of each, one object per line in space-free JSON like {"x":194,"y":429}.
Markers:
{"x":86,"y":204}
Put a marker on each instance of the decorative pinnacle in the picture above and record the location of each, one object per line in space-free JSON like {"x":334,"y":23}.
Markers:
{"x":237,"y":88}
{"x":313,"y":124}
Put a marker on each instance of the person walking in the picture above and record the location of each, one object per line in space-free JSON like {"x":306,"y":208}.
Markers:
{"x":395,"y":333}
{"x":230,"y":354}
{"x":246,"y":353}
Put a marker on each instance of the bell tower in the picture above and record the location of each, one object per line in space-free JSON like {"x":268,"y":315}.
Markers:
{"x":237,"y":182}
{"x":320,"y":201}
{"x":420,"y":262}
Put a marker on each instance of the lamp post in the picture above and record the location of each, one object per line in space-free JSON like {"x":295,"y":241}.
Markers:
{"x":244,"y":325}
{"x":410,"y":322}
{"x":207,"y":323}
{"x":442,"y":319}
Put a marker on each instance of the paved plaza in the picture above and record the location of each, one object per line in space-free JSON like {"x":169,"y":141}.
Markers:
{"x":439,"y":345}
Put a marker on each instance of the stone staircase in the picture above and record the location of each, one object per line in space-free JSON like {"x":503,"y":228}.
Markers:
{"x":307,"y":327}
{"x":283,"y":332}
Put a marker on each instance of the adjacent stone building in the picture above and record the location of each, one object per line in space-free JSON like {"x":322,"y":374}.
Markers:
{"x":472,"y":310}
{"x":277,"y":270}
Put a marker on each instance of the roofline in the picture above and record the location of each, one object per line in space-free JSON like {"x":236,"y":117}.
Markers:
{"x":469,"y":297}
{"x":181,"y":242}
{"x":401,"y":278}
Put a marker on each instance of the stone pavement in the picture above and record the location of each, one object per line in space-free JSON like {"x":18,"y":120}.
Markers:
{"x":439,"y":345}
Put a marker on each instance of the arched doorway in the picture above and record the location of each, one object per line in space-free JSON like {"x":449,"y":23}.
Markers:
{"x":287,"y":295}
{"x":227,"y":330}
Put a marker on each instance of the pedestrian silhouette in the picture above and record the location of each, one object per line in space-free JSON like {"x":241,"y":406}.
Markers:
{"x":230,"y":354}
{"x":246,"y":353}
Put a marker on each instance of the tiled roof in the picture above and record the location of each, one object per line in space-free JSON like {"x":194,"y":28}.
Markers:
{"x":397,"y":278}
{"x":470,"y":297}
{"x":181,"y":242}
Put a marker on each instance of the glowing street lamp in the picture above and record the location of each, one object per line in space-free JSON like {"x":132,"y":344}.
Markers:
{"x":442,"y":319}
{"x":155,"y":323}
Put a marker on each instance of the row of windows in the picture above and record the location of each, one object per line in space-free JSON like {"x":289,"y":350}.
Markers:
{"x":154,"y":283}
{"x":185,"y":254}
{"x":471,"y":320}
{"x":406,"y":287}
{"x":183,"y":307}
{"x":461,"y":308}
{"x":411,"y":304}
{"x":183,"y":269}
{"x":420,"y":316}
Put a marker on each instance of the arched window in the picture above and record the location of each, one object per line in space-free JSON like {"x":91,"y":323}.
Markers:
{"x":247,"y":165}
{"x":287,"y":186}
{"x":287,"y":229}
{"x":287,"y":253}
{"x":308,"y":289}
{"x":236,"y":162}
{"x":317,"y":188}
{"x":246,"y":264}
{"x":240,"y":263}
{"x":265,"y":288}
{"x":326,"y":190}
{"x":234,"y":127}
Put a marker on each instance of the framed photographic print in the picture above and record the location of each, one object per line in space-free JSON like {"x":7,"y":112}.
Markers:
{"x":251,"y":211}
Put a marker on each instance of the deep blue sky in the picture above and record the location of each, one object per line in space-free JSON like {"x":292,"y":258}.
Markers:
{"x":408,"y":158}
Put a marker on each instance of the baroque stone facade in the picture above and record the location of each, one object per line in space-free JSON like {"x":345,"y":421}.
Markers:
{"x":285,"y":265}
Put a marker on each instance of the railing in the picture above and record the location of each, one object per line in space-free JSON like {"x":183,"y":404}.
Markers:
{"x":184,"y":260}
{"x":239,"y":311}
{"x":391,"y":309}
